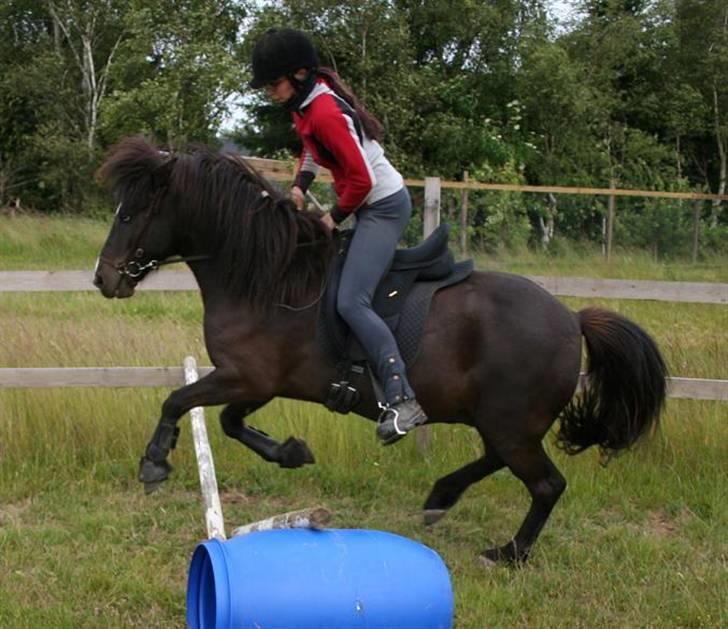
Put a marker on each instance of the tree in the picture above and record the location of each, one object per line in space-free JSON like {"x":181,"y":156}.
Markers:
{"x":180,"y":67}
{"x":33,"y":100}
{"x":78,"y":74}
{"x":557,"y":112}
{"x":703,"y":51}
{"x":89,"y":33}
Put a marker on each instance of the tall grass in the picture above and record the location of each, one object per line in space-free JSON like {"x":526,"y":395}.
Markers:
{"x":587,"y":259}
{"x":40,"y":242}
{"x":640,"y":543}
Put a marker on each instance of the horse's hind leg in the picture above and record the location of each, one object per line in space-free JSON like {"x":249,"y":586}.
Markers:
{"x":448,"y":489}
{"x":545,"y":484}
{"x":292,"y":453}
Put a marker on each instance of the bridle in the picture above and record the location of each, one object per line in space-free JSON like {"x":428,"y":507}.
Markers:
{"x":135,"y":271}
{"x":132,"y":268}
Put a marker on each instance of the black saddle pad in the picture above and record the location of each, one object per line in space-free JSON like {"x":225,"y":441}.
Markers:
{"x":402,"y":299}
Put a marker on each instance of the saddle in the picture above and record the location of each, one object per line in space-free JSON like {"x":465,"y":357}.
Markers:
{"x":402,"y":300}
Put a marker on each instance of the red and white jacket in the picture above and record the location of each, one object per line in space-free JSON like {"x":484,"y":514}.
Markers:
{"x":334,"y":138}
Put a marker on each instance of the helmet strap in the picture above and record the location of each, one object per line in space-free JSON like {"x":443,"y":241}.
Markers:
{"x":303,"y":88}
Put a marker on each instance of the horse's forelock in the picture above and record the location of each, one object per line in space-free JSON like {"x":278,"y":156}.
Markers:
{"x":130,"y":163}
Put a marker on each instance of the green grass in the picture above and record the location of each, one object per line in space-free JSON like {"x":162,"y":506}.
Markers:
{"x":641,"y":543}
{"x":45,"y":243}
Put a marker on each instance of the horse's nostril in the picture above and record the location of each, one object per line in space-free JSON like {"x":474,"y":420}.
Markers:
{"x":98,"y":280}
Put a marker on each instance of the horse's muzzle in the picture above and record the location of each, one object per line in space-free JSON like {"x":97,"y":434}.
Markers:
{"x":111,"y":283}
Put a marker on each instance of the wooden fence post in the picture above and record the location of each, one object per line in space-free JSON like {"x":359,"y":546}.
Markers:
{"x":610,"y":220}
{"x":464,"y":217}
{"x":431,"y":218}
{"x":430,"y":221}
{"x":696,"y":228}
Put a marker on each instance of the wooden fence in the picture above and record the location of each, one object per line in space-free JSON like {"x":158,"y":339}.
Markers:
{"x":278,"y":170}
{"x":134,"y":377}
{"x":691,"y":292}
{"x":34,"y":281}
{"x":688,"y":292}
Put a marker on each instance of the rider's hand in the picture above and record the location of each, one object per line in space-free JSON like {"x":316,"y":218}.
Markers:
{"x":328,"y":221}
{"x":298,"y":197}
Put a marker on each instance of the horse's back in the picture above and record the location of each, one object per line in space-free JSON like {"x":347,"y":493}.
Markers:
{"x":508,"y":303}
{"x":515,"y":300}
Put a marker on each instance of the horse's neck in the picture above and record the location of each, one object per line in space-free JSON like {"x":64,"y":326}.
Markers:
{"x":208,"y":276}
{"x":216,"y":298}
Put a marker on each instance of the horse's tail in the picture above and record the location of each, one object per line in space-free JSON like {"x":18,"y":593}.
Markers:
{"x":626,"y":386}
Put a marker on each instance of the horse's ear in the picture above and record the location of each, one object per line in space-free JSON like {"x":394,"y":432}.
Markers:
{"x":162,"y":173}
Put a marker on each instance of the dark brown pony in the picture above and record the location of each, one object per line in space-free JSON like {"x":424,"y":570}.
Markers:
{"x":498,"y":353}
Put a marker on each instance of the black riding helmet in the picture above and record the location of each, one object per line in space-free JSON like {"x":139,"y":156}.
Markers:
{"x":280,"y":52}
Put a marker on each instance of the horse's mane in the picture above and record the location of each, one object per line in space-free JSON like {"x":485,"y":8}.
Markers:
{"x":268,"y":250}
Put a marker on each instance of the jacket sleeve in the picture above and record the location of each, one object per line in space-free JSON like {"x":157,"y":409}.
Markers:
{"x":307,"y":171}
{"x":336,"y":132}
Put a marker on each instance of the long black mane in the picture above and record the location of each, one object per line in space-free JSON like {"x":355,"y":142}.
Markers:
{"x":269,"y":252}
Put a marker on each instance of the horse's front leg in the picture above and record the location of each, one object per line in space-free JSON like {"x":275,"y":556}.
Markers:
{"x":291,"y":454}
{"x":216,"y":387}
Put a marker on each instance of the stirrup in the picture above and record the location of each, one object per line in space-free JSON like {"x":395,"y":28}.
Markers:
{"x":383,"y":416}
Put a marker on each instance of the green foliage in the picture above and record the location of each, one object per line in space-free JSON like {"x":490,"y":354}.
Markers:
{"x":76,"y":76}
{"x":179,"y":67}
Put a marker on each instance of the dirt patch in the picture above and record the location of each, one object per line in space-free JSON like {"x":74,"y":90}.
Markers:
{"x":11,"y":513}
{"x":661,"y":524}
{"x":234,"y":498}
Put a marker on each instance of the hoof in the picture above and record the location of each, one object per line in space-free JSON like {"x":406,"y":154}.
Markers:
{"x":153,"y":473}
{"x":150,"y":488}
{"x":431,"y":516}
{"x":489,"y":564}
{"x":506,"y":555}
{"x":294,"y":453}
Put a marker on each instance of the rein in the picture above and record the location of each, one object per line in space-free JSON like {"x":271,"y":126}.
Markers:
{"x":324,"y":283}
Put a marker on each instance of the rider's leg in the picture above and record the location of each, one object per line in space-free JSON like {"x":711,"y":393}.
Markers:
{"x":378,"y":230}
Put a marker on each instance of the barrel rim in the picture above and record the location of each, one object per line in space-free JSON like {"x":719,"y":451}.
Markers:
{"x":209,"y":557}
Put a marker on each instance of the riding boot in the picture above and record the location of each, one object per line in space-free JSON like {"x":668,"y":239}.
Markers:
{"x":396,"y":421}
{"x":403,"y":412}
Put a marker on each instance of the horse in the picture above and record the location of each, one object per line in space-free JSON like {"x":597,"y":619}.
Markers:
{"x":498,"y":353}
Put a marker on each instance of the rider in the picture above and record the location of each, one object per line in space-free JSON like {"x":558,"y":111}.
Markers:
{"x":338,"y":133}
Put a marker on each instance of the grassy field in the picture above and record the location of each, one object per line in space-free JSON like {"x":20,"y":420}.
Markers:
{"x":641,"y":543}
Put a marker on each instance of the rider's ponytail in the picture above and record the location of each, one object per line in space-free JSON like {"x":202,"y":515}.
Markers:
{"x":372,"y":127}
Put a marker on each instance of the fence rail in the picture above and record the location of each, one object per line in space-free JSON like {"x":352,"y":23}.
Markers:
{"x":284,"y":171}
{"x":687,"y":292}
{"x":124,"y":377}
{"x":279,"y":170}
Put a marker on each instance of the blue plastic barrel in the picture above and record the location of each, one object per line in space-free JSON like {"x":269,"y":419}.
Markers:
{"x":306,"y":579}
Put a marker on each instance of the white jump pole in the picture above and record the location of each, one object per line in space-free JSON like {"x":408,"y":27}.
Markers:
{"x":205,"y":464}
{"x":313,"y":517}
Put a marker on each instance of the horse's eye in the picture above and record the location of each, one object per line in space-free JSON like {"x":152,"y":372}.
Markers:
{"x":125,"y":218}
